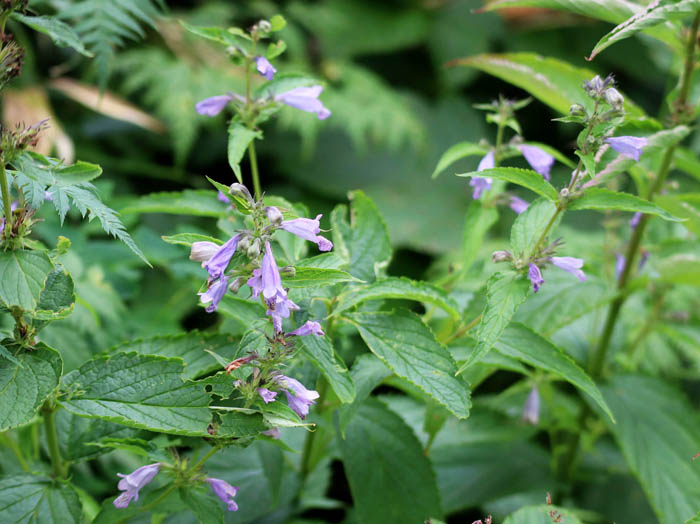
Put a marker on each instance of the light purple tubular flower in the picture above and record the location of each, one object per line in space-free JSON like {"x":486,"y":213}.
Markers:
{"x":274,"y":215}
{"x":298,"y":397}
{"x":221,"y":197}
{"x":217,"y":264}
{"x":481,"y":184}
{"x":571,"y":265}
{"x":270,"y":276}
{"x":279,"y":308}
{"x":306,"y":99}
{"x":203,"y":251}
{"x":309,"y":328}
{"x":224,"y":491}
{"x":255,"y":283}
{"x":535,"y":277}
{"x":308,"y":229}
{"x":539,"y":160}
{"x":214,"y":294}
{"x":518,"y":205}
{"x":264,"y":67}
{"x":634,"y":221}
{"x":531,"y":411}
{"x":131,"y":484}
{"x":630,"y":146}
{"x":213,"y":105}
{"x":619,"y":265}
{"x":273,"y":432}
{"x":267,"y":395}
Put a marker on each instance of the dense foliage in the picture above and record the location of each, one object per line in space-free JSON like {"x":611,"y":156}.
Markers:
{"x":240,"y":281}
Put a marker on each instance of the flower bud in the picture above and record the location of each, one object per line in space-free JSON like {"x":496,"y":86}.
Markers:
{"x":254,"y":249}
{"x":236,"y":285}
{"x":578,"y":110}
{"x":203,"y":251}
{"x":531,"y":410}
{"x":244,"y":243}
{"x":564,"y":193}
{"x":614,"y":98}
{"x":264,"y":26}
{"x":241,"y":191}
{"x":501,"y":256}
{"x":274,"y":215}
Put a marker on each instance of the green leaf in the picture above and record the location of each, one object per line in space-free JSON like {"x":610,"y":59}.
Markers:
{"x":504,"y":294}
{"x":60,"y":33}
{"x":194,"y":202}
{"x":529,"y":227}
{"x":687,"y":161}
{"x":191,"y":347}
{"x":408,"y":347}
{"x":523,"y":177}
{"x":554,"y":82}
{"x":4,"y":353}
{"x":24,"y":274}
{"x":367,"y":373}
{"x":401,"y":288}
{"x":239,"y":138}
{"x":57,"y":297}
{"x":477,"y":222}
{"x":522,"y":343}
{"x":187,"y":239}
{"x":141,"y":391}
{"x":657,"y":430}
{"x":685,"y":206}
{"x":24,"y":388}
{"x":364,"y":241}
{"x":680,"y":269}
{"x":457,"y":152}
{"x":320,"y":351}
{"x":244,"y":311}
{"x":316,"y":277}
{"x":603,"y":199}
{"x":39,"y":500}
{"x":654,"y":14}
{"x":400,"y":485}
{"x":237,"y":424}
{"x":543,"y":514}
{"x":206,"y":507}
{"x":52,"y":172}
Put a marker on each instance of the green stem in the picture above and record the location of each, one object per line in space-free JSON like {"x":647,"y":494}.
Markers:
{"x":306,"y":464}
{"x":57,"y":465}
{"x":6,"y":200}
{"x":206,"y":457}
{"x":10,"y":443}
{"x":254,"y":169}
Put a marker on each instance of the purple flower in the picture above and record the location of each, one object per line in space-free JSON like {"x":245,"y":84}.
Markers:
{"x":270,"y":276}
{"x":213,"y":105}
{"x":48,"y":195}
{"x":309,"y":328}
{"x":274,"y":215}
{"x":634,"y":221}
{"x":298,"y":397}
{"x":308,"y":229}
{"x":571,"y":265}
{"x":482,"y":184}
{"x":255,"y":283}
{"x":518,"y":205}
{"x":630,"y":146}
{"x":539,"y":160}
{"x":203,"y":251}
{"x":224,"y":491}
{"x":279,"y":308}
{"x":267,"y":395}
{"x":13,"y":207}
{"x":619,"y":265}
{"x":273,"y":432}
{"x":131,"y":484}
{"x":535,"y":276}
{"x":214,"y":294}
{"x":487,"y":162}
{"x":531,"y":411}
{"x":222,"y":198}
{"x":264,"y":67}
{"x":306,"y":99}
{"x":217,"y":264}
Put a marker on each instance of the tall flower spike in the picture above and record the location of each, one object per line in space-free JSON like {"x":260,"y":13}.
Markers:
{"x":214,"y":294}
{"x":213,"y":105}
{"x":308,"y":229}
{"x":571,"y":265}
{"x":217,"y":264}
{"x":298,"y":397}
{"x":481,"y":184}
{"x":535,"y":277}
{"x":306,"y":99}
{"x":531,"y":411}
{"x":264,"y":67}
{"x":131,"y":484}
{"x":224,"y":491}
{"x":539,"y":160}
{"x":630,"y":146}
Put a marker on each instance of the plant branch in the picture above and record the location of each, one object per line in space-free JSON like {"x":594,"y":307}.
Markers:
{"x":6,"y":200}
{"x":254,"y":169}
{"x":58,"y":468}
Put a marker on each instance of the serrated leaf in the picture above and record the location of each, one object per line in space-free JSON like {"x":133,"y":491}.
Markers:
{"x":320,"y":351}
{"x":527,"y":178}
{"x":39,"y":500}
{"x":656,"y":13}
{"x":187,"y":239}
{"x":239,"y":138}
{"x":244,"y":311}
{"x":602,"y":199}
{"x":4,"y":353}
{"x":203,"y":503}
{"x":191,"y":347}
{"x":478,"y":220}
{"x":529,"y":226}
{"x":52,"y":172}
{"x":400,"y":486}
{"x":57,"y":297}
{"x":364,"y":241}
{"x":195,"y":202}
{"x":24,"y":389}
{"x":141,"y":391}
{"x":681,"y":269}
{"x":520,"y":342}
{"x":23,"y":274}
{"x":367,"y":373}
{"x":408,"y":347}
{"x":316,"y":277}
{"x":457,"y":152}
{"x":542,"y":514}
{"x":401,"y":288}
{"x":653,"y":415}
{"x":60,"y":33}
{"x":505,"y":292}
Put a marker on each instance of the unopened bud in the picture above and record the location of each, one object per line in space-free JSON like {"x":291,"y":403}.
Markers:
{"x":241,"y":191}
{"x":614,"y":98}
{"x":290,"y":271}
{"x":254,"y":249}
{"x":564,"y":193}
{"x":531,"y":410}
{"x":236,"y":284}
{"x":274,"y":215}
{"x":203,"y":251}
{"x":577,"y":110}
{"x":264,"y":26}
{"x":501,"y":256}
{"x":244,"y":243}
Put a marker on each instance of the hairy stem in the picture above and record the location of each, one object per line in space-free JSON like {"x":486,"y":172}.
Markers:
{"x":57,"y":465}
{"x":6,"y":200}
{"x":254,"y":169}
